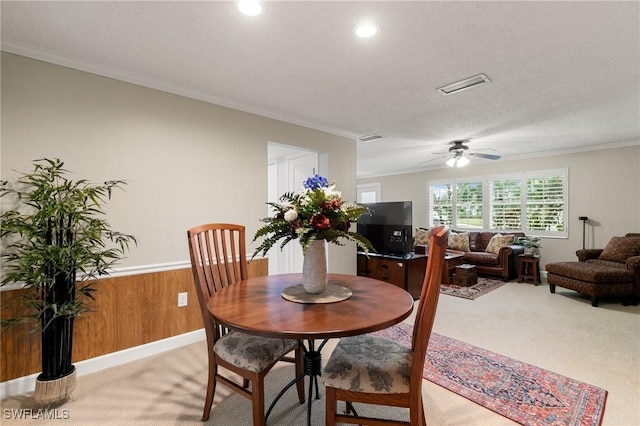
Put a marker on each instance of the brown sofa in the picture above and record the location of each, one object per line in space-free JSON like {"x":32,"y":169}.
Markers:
{"x":502,"y":264}
{"x":610,"y":272}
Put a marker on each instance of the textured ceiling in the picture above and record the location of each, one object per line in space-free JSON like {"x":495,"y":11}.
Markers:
{"x":565,"y":75}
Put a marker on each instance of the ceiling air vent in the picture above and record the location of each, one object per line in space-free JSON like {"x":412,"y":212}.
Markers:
{"x":369,"y":138}
{"x":464,"y":84}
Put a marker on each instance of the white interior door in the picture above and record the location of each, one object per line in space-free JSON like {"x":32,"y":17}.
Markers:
{"x":300,"y":168}
{"x":288,"y":168}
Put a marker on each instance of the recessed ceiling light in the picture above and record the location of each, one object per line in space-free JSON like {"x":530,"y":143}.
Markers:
{"x":250,"y":7}
{"x":366,"y":29}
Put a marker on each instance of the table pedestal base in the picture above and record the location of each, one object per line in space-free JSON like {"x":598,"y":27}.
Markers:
{"x":312,"y":367}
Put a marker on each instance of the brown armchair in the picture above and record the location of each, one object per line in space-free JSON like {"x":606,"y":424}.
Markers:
{"x":610,"y":272}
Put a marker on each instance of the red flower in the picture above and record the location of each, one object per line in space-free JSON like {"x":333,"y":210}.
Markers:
{"x":332,"y":205}
{"x":320,"y":221}
{"x":294,"y":225}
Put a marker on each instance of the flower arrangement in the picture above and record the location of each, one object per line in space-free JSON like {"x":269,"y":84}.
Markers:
{"x":317,"y":212}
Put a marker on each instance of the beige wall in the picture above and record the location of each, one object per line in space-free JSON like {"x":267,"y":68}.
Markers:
{"x":187,"y":162}
{"x":604,"y":185}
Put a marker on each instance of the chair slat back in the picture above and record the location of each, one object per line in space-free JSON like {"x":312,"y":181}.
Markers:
{"x":429,"y":295}
{"x":218,"y":259}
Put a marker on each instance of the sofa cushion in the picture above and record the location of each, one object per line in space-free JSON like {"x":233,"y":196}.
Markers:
{"x":497,"y":242}
{"x":593,"y":272}
{"x":619,"y":249}
{"x":459,"y":241}
{"x":422,"y":237}
{"x":607,"y":263}
{"x":478,"y":241}
{"x":481,"y":258}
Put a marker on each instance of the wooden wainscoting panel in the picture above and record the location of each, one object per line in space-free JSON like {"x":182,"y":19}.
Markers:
{"x":19,"y":344}
{"x":128,"y":311}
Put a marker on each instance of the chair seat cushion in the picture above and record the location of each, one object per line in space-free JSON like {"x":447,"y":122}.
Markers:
{"x":253,"y":353}
{"x":370,"y":364}
{"x":594,"y":272}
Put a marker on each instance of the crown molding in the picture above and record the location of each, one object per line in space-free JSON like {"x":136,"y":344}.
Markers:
{"x":79,"y":64}
{"x":565,"y":151}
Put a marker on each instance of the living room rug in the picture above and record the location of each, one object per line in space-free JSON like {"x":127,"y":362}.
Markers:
{"x":520,"y":392}
{"x":484,"y":286}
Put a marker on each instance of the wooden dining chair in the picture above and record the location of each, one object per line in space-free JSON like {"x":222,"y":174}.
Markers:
{"x":218,"y":259}
{"x":376,"y":370}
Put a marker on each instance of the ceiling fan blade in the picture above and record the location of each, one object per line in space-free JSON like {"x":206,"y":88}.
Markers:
{"x":487,"y":156}
{"x":433,"y":159}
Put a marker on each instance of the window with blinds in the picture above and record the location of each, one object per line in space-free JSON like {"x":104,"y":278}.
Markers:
{"x":440,"y":204}
{"x":469,"y":205}
{"x":545,"y":204}
{"x":530,"y":202}
{"x":505,"y":204}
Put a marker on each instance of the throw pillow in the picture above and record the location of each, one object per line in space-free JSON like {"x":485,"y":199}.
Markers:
{"x":459,"y":241}
{"x":497,"y":242}
{"x":619,"y":249}
{"x":422,"y":237}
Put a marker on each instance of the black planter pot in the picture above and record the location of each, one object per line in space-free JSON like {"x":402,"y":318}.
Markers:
{"x":58,"y":377}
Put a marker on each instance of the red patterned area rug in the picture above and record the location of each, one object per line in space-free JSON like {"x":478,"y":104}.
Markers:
{"x":521,"y":392}
{"x":484,"y":286}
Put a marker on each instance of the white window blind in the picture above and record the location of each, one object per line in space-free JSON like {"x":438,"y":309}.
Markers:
{"x":440,"y":204}
{"x":505,"y":204}
{"x":545,"y":204}
{"x":469,"y":205}
{"x":531,"y":202}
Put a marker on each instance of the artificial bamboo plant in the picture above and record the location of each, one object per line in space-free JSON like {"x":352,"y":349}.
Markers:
{"x":55,"y":243}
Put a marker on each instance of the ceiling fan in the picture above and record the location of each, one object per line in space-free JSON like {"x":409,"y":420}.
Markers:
{"x":460,"y":152}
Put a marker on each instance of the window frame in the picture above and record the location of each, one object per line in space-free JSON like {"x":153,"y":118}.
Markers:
{"x":487,"y":185}
{"x":374,"y":187}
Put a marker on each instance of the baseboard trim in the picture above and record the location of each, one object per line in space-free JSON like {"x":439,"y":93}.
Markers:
{"x":26,"y":384}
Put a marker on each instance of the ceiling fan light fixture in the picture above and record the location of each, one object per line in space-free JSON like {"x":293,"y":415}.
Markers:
{"x":458,"y":160}
{"x":462,"y":161}
{"x":464,"y":84}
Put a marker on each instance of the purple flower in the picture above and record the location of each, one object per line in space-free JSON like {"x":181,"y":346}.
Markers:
{"x":315,"y":182}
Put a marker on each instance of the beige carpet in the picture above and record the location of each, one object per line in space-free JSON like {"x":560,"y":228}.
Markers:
{"x":560,"y":332}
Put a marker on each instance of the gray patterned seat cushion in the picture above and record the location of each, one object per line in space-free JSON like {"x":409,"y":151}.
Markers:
{"x":253,"y":353}
{"x":370,"y":364}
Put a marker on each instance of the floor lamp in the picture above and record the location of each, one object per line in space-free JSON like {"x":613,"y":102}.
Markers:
{"x":584,"y":222}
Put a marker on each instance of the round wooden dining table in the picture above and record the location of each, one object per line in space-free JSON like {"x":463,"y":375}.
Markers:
{"x":256,"y":306}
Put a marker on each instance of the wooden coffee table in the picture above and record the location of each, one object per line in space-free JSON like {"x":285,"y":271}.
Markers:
{"x":451,"y":260}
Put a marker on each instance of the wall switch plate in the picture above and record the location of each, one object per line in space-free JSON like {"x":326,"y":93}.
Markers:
{"x":182,"y":299}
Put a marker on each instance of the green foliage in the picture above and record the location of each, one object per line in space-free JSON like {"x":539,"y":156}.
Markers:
{"x":55,"y":240}
{"x":528,"y":242}
{"x":316,"y":213}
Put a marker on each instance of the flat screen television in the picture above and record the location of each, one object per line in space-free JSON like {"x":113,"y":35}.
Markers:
{"x":388,"y":227}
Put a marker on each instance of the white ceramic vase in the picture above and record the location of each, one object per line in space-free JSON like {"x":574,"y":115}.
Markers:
{"x":314,"y":267}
